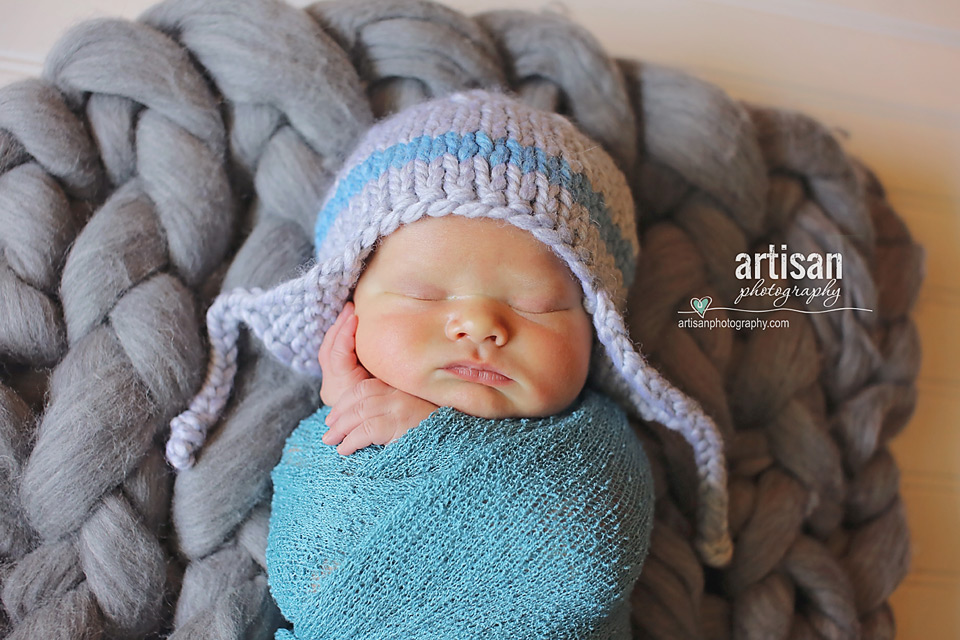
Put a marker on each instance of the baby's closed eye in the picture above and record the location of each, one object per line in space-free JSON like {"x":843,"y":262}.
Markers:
{"x":538,"y":306}
{"x":415,"y":289}
{"x":425,"y":293}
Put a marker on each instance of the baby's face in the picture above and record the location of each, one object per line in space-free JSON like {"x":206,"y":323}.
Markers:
{"x":474,"y":314}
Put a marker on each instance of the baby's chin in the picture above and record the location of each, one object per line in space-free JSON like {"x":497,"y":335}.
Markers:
{"x":491,"y":403}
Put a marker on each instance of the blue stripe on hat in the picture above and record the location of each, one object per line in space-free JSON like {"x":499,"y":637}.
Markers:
{"x":529,"y":159}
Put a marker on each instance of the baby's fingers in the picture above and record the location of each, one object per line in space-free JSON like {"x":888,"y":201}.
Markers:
{"x":359,"y":401}
{"x":375,"y":430}
{"x":359,"y":405}
{"x":353,"y":406}
{"x":350,"y":427}
{"x":328,"y":339}
{"x":336,"y":433}
{"x":338,"y":349}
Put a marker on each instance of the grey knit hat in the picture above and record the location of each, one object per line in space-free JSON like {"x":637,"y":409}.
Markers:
{"x":474,"y":154}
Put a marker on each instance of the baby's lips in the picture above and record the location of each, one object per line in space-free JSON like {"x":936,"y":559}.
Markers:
{"x":475,"y":372}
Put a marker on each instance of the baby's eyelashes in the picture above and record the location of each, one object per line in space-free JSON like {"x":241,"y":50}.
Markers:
{"x":425,"y":295}
{"x":539,"y":306}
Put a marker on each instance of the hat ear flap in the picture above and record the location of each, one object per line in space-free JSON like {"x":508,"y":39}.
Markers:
{"x":289,"y":320}
{"x":656,"y":399}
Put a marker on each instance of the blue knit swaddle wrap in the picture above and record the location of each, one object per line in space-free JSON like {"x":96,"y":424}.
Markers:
{"x":463,"y":528}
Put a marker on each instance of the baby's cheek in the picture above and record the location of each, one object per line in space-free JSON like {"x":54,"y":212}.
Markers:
{"x":564,"y":361}
{"x":387,"y":347}
{"x":371,"y":346}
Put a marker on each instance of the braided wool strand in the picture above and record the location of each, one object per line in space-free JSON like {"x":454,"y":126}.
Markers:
{"x":288,"y":134}
{"x":93,"y":488}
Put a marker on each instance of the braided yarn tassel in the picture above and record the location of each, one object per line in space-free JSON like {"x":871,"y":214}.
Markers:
{"x":656,"y":399}
{"x":188,"y":431}
{"x":290,"y":320}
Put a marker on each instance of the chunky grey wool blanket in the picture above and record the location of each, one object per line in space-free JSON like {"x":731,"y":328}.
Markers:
{"x":157,"y":162}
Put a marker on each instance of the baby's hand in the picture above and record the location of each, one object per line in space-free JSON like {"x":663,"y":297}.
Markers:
{"x":364,"y":410}
{"x":338,"y":358}
{"x":373,"y":412}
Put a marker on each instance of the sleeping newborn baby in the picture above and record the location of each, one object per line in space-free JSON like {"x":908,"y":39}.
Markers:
{"x":509,"y":528}
{"x":471,"y":472}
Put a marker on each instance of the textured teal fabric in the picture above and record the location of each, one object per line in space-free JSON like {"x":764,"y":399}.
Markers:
{"x":463,"y":528}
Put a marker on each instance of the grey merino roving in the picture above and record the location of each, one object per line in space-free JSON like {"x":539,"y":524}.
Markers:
{"x":160,"y":161}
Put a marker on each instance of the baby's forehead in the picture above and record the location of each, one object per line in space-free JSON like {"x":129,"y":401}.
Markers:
{"x":452,"y":245}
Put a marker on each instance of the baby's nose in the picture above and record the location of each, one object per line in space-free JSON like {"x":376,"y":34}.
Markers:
{"x":478,"y":320}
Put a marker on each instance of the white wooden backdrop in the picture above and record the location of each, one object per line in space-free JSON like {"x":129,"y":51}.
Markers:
{"x":885,"y":71}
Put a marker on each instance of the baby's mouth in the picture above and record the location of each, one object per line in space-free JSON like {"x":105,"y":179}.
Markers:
{"x":479,"y":373}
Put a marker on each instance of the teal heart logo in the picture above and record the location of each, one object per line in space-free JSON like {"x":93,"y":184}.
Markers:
{"x":700,"y":305}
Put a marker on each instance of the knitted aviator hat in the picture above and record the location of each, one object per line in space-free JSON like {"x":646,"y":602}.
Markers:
{"x":473,"y":154}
